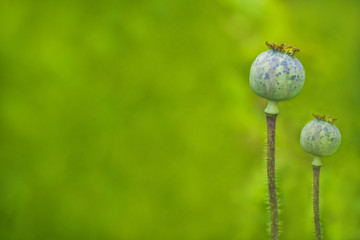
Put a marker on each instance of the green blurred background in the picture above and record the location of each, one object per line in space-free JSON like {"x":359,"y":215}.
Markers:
{"x":134,"y":120}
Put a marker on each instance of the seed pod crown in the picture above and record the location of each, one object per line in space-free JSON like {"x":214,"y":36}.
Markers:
{"x":282,"y":48}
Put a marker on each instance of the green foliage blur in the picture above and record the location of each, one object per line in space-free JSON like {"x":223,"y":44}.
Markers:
{"x":134,"y":119}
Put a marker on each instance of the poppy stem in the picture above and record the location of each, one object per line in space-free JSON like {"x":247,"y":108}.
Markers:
{"x":271,"y":122}
{"x":316,"y":172}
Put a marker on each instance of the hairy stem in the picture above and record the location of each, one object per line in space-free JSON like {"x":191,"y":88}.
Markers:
{"x":271,"y":122}
{"x":316,"y":171}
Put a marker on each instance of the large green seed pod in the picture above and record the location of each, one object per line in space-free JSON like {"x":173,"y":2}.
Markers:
{"x":320,"y":137}
{"x":277,"y":75}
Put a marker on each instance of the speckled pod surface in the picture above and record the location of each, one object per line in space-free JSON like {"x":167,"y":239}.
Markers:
{"x":320,"y":138}
{"x":276,"y":75}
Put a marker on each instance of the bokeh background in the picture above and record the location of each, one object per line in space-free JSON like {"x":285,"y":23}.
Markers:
{"x":134,"y":120}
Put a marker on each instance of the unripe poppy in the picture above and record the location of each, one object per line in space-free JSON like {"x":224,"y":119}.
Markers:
{"x":277,"y":75}
{"x":320,"y":137}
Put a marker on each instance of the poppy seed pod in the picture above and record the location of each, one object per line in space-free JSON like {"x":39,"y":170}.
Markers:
{"x":320,"y":137}
{"x":277,"y":75}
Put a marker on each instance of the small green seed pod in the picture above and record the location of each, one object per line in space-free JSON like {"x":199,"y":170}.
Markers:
{"x":277,"y":75}
{"x":320,"y":137}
